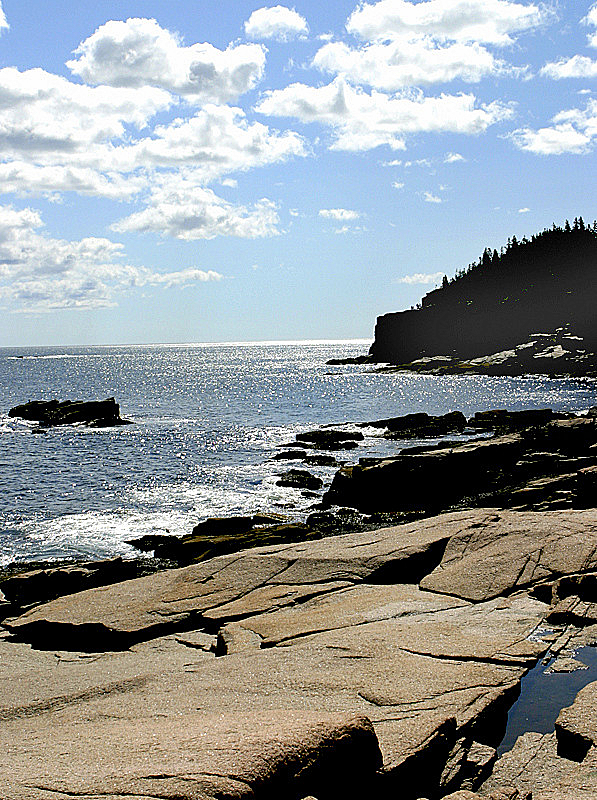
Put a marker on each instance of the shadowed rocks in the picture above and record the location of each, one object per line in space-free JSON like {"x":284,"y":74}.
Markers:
{"x":94,"y":413}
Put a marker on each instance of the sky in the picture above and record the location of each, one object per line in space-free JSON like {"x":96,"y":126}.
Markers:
{"x":192,"y":171}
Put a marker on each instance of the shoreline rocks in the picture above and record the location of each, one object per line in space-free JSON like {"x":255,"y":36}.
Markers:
{"x":398,"y":649}
{"x":381,"y":662}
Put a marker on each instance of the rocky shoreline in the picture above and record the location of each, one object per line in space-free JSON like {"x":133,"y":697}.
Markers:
{"x":322,"y":663}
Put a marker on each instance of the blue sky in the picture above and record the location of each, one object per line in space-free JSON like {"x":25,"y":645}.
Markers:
{"x":191,"y":171}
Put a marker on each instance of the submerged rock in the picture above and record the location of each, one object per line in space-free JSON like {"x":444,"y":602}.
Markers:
{"x":94,"y":413}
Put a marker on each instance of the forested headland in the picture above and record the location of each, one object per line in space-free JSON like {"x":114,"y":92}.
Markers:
{"x":538,"y":285}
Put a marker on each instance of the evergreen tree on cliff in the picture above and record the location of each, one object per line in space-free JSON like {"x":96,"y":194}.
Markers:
{"x":539,"y":284}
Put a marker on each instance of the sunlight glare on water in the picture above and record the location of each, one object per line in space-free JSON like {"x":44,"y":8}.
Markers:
{"x":207,"y":419}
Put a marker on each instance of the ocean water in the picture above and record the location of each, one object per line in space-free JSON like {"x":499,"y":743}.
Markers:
{"x":207,"y":420}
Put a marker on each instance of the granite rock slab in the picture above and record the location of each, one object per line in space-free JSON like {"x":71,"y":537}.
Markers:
{"x":505,"y":551}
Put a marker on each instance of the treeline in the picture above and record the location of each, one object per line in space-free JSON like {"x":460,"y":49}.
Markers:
{"x":558,"y":260}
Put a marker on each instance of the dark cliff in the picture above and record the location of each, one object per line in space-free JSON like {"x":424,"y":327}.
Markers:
{"x":541,"y":284}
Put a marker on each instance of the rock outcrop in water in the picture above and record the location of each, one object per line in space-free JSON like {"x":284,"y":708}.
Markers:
{"x":487,"y":318}
{"x":48,"y":413}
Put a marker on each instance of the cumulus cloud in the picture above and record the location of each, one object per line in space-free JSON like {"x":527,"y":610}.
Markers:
{"x":488,"y":21}
{"x":181,"y":207}
{"x":575,"y":67}
{"x":39,"y":273}
{"x":44,"y":114}
{"x":278,"y":22}
{"x":393,"y":65}
{"x":338,"y":213}
{"x":573,"y":131}
{"x":453,"y":158}
{"x":139,"y":53}
{"x":57,"y":136}
{"x":362,"y":121}
{"x":591,"y":19}
{"x":524,"y":210}
{"x":217,"y":140}
{"x":23,"y":178}
{"x":3,"y":21}
{"x":421,"y":277}
{"x":429,"y":197}
{"x":184,"y":277}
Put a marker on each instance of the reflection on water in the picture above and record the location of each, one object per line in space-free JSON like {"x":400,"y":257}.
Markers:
{"x":543,"y":695}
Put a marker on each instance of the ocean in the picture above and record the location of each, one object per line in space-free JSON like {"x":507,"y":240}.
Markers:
{"x":207,"y":420}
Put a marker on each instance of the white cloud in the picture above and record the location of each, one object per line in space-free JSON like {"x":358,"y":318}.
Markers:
{"x":575,"y":67}
{"x":362,"y":121}
{"x":39,"y":273}
{"x":523,"y":210}
{"x":230,"y":183}
{"x":139,"y":53}
{"x":181,"y":207}
{"x":57,"y":136}
{"x":573,"y":131}
{"x":429,"y":197}
{"x":43,"y":115}
{"x":184,"y":277}
{"x":453,"y":158}
{"x":417,"y":62}
{"x":489,"y":21}
{"x":23,"y":178}
{"x":217,"y":140}
{"x":591,"y":19}
{"x":277,"y":22}
{"x":338,"y":213}
{"x":398,"y":185}
{"x":3,"y":21}
{"x":421,"y":277}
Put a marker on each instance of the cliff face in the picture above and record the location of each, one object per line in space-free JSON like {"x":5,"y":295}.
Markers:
{"x":543,"y":284}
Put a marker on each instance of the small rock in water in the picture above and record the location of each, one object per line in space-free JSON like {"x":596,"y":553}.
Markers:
{"x":299,"y":479}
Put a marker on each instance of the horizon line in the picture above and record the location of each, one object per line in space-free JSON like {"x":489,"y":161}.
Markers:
{"x":240,"y":343}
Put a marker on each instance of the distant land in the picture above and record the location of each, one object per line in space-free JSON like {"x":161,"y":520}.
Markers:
{"x":530,"y":308}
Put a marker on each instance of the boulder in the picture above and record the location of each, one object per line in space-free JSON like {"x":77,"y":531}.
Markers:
{"x":500,"y":419}
{"x":95,"y":413}
{"x":290,"y":455}
{"x":508,"y":551}
{"x":576,"y":726}
{"x":299,"y":479}
{"x":319,"y":460}
{"x":419,"y":425}
{"x":329,"y":439}
{"x":25,"y":586}
{"x":196,"y":547}
{"x":201,"y":756}
{"x":586,"y":486}
{"x":534,"y":769}
{"x":428,"y":481}
{"x":570,"y":436}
